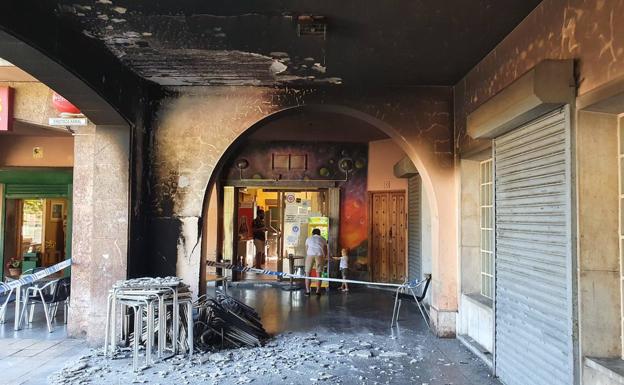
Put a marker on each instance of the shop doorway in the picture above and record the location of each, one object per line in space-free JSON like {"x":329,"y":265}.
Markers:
{"x":35,"y":231}
{"x":35,"y":218}
{"x":387,"y":235}
{"x":272,"y":225}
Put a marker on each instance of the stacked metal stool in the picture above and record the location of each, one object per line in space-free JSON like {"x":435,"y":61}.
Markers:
{"x":156,"y":306}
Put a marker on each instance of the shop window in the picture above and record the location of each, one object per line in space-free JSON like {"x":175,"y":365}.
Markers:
{"x":486,"y":210}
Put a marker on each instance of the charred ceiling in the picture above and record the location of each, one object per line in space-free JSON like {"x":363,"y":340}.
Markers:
{"x":268,"y":42}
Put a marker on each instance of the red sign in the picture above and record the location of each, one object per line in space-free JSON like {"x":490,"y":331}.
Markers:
{"x":63,"y":105}
{"x":6,"y":108}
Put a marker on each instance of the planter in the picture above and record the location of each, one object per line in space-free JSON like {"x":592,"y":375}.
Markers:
{"x":15,"y":271}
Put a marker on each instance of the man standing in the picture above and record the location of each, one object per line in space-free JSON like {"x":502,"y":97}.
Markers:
{"x":316,"y":251}
{"x":259,"y":238}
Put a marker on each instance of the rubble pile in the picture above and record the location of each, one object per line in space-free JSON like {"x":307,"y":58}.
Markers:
{"x":224,"y":322}
{"x":150,"y":282}
{"x":291,"y":358}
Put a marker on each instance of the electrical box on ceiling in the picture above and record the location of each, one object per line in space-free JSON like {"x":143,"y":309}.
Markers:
{"x":308,"y":25}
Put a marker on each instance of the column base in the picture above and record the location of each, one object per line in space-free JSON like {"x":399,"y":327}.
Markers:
{"x":443,"y":322}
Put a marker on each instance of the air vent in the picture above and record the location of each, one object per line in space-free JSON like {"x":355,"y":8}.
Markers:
{"x":308,"y":25}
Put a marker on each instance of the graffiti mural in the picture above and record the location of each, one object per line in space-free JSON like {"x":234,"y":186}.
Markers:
{"x":345,"y":163}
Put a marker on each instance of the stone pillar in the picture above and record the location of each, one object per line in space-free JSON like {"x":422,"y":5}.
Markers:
{"x":100,"y":225}
{"x":444,"y":269}
{"x":597,"y":240}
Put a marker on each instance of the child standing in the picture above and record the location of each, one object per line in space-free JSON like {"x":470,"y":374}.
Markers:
{"x":344,"y":268}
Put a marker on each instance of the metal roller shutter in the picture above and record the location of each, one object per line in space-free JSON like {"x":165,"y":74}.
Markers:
{"x":414,"y":228}
{"x":36,"y":191}
{"x":533,"y":253}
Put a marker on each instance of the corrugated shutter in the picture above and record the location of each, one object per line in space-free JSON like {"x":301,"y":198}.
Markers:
{"x":414,"y":228}
{"x":533,"y":253}
{"x":36,"y":190}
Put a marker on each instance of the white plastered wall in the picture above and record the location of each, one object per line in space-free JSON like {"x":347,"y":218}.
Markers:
{"x":475,"y":318}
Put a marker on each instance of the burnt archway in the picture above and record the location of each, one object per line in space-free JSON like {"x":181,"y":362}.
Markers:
{"x":356,"y":116}
{"x":101,"y":153}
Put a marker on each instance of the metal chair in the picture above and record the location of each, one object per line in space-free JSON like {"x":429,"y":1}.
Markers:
{"x":60,"y":292}
{"x":406,"y":292}
{"x":4,"y":305}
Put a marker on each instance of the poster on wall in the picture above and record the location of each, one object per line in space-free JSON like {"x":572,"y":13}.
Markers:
{"x":245,"y":221}
{"x":296,"y":213}
{"x":321,"y":223}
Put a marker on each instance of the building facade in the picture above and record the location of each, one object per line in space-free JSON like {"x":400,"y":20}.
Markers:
{"x":513,"y":191}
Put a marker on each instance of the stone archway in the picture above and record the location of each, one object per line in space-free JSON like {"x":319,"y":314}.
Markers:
{"x":439,"y":186}
{"x":100,"y":187}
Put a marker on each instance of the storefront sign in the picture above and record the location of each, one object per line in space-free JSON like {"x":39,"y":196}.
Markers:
{"x":67,"y":121}
{"x":63,"y":105}
{"x":6,"y":105}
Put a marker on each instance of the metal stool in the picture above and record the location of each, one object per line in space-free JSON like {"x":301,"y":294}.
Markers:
{"x":142,"y":295}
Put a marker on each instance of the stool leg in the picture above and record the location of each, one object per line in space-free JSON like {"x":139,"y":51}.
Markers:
{"x":176,"y":322}
{"x":162,"y":325}
{"x":138,"y":330}
{"x":113,"y":325}
{"x":150,"y":333}
{"x":107,"y":327}
{"x":189,"y":328}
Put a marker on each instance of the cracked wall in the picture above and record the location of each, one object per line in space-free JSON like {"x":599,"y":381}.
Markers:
{"x":194,"y":127}
{"x":587,"y":31}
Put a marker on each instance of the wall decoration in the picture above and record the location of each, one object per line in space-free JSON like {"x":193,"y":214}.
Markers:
{"x":346,"y":163}
{"x":37,"y":152}
{"x":56,"y":211}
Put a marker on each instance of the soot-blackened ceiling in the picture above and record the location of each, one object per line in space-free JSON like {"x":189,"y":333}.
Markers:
{"x":367,"y":42}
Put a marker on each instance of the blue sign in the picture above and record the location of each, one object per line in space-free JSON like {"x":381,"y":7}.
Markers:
{"x":295,"y":229}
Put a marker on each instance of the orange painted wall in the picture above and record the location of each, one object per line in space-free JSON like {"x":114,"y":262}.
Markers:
{"x":17,"y":151}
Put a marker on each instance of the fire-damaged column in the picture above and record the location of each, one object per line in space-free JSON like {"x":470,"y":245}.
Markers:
{"x":100,"y":225}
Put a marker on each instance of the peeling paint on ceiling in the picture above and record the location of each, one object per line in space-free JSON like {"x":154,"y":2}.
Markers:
{"x":219,"y":43}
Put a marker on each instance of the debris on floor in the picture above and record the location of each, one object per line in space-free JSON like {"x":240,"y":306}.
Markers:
{"x":291,"y":358}
{"x":327,"y":340}
{"x":224,"y":322}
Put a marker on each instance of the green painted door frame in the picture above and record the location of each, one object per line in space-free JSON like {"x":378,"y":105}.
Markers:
{"x":36,"y":183}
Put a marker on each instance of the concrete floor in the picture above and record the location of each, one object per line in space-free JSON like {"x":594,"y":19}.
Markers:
{"x":331,"y":339}
{"x":365,"y":313}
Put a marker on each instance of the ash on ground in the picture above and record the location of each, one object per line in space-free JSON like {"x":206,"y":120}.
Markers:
{"x":291,"y":358}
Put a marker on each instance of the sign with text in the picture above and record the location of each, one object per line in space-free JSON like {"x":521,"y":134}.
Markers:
{"x":6,"y":105}
{"x":67,"y":121}
{"x":321,"y":223}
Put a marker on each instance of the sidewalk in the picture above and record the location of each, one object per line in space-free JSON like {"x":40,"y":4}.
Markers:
{"x":30,"y":355}
{"x":31,"y":361}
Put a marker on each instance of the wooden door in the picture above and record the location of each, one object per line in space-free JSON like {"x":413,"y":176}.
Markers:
{"x":387,"y":236}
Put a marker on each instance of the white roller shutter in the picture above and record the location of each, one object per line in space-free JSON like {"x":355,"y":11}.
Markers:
{"x":414,"y":228}
{"x":533,"y":253}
